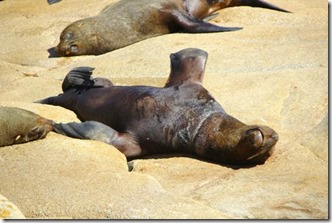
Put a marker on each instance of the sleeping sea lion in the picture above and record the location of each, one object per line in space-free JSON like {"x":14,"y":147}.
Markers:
{"x":20,"y":126}
{"x":129,"y":21}
{"x":180,"y":117}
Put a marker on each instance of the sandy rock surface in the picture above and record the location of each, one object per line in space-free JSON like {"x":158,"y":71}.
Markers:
{"x":273,"y":72}
{"x":8,"y":210}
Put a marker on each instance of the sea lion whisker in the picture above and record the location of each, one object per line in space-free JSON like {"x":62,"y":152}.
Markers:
{"x":263,"y":151}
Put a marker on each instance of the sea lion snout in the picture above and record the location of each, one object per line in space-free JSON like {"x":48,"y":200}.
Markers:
{"x":65,"y":49}
{"x":63,"y":52}
{"x":69,"y":41}
{"x":270,"y":136}
{"x":263,"y":136}
{"x":256,"y":137}
{"x":263,"y":140}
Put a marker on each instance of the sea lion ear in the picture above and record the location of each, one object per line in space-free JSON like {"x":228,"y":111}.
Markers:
{"x":256,"y":137}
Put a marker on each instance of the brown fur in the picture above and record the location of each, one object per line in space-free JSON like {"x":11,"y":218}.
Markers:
{"x":20,"y":126}
{"x":129,"y":21}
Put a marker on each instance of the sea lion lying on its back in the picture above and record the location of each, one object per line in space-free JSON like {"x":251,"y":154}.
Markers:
{"x":180,"y":117}
{"x":129,"y":21}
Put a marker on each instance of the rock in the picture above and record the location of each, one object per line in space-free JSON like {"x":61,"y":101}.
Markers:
{"x":62,"y":177}
{"x":8,"y":210}
{"x":273,"y":72}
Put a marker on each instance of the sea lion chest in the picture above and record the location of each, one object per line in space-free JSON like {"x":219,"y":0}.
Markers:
{"x":165,"y":117}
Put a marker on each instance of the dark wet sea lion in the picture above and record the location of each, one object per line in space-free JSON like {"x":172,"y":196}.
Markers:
{"x":129,"y":21}
{"x":180,"y":117}
{"x":20,"y":126}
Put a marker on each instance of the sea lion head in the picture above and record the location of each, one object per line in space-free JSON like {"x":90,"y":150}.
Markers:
{"x":78,"y":39}
{"x":232,"y":142}
{"x":256,"y":144}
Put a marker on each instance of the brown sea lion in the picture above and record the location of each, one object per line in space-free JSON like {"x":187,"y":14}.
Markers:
{"x":182,"y":116}
{"x":129,"y":21}
{"x":20,"y":126}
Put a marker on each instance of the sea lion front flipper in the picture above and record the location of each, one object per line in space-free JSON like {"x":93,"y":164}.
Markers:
{"x":98,"y":131}
{"x":187,"y":65}
{"x":191,"y":24}
{"x":82,"y":76}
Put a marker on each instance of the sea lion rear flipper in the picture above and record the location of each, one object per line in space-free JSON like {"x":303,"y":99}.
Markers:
{"x":192,"y":25}
{"x":209,"y":17}
{"x":187,"y":65}
{"x":98,"y":131}
{"x":263,"y":4}
{"x":82,"y":76}
{"x":79,"y":76}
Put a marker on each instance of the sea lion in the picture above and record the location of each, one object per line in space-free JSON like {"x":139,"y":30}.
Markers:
{"x":180,"y":117}
{"x":20,"y":126}
{"x":129,"y":21}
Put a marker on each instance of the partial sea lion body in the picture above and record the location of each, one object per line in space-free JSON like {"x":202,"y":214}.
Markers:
{"x":180,"y":117}
{"x":20,"y":126}
{"x":129,"y":21}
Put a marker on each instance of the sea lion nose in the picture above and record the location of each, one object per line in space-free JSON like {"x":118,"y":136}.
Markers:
{"x":58,"y":50}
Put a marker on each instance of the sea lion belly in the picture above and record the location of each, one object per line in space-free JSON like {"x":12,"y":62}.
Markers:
{"x":167,"y":117}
